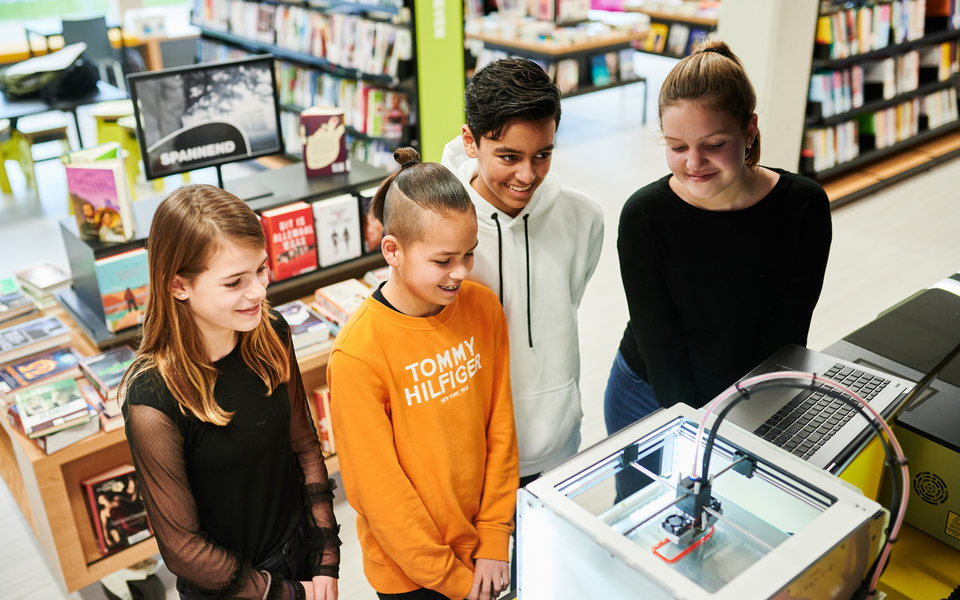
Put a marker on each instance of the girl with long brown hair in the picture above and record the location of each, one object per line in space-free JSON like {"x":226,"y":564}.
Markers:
{"x":216,"y":415}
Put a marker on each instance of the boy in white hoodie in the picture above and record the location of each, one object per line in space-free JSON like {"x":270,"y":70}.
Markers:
{"x":539,"y":243}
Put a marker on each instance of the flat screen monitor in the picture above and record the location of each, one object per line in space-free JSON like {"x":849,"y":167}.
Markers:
{"x":206,"y":115}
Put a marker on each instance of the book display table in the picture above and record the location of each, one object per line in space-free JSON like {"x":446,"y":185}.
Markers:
{"x":47,"y":489}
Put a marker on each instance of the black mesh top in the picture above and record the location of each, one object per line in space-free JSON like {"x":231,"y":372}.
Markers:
{"x":223,"y":499}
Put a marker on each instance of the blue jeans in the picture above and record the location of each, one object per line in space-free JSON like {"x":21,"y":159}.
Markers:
{"x":627,"y":399}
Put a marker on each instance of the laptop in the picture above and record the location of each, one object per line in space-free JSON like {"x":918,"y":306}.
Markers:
{"x":819,"y":428}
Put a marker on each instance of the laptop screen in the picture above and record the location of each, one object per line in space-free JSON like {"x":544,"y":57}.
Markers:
{"x":917,"y":334}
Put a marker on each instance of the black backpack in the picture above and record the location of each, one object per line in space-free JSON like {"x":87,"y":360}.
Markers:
{"x":61,"y":75}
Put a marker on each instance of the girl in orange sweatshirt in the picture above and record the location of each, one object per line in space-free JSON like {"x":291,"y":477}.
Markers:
{"x":420,"y":401}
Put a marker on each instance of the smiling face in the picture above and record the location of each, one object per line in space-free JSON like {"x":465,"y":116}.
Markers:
{"x":227,"y":296}
{"x":427,"y":273}
{"x":706,"y":151}
{"x":511,"y":167}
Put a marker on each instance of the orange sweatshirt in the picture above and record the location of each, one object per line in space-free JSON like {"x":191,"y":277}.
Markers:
{"x":423,"y":419}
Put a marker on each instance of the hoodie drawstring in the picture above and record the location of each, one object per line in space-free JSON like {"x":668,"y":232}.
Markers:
{"x":526,"y":244}
{"x":499,"y":256}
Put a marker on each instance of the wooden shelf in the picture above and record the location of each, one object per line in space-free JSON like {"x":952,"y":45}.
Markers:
{"x":556,"y":50}
{"x":876,"y":175}
{"x":931,"y":38}
{"x":875,"y":105}
{"x":669,"y":17}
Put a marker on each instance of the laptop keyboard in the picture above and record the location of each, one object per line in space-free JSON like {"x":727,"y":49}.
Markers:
{"x":810,"y":419}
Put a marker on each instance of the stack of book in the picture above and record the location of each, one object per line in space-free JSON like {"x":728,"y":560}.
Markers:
{"x":32,"y":336}
{"x":13,"y":302}
{"x":310,"y":333}
{"x":335,"y":303}
{"x":32,"y":371}
{"x":54,"y":414}
{"x":41,"y":280}
{"x":105,"y":372}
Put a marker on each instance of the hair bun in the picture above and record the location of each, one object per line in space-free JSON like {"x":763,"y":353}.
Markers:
{"x":406,"y":156}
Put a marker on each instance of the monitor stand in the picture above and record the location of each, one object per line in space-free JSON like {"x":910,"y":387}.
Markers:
{"x":247,"y":192}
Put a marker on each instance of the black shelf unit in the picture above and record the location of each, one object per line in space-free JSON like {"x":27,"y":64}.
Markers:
{"x":292,"y":55}
{"x":936,"y":33}
{"x":288,"y":184}
{"x":876,"y":154}
{"x":875,"y":105}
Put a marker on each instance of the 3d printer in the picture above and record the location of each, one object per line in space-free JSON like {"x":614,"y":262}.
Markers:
{"x":623,"y":519}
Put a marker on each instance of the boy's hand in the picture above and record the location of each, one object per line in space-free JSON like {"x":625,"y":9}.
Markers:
{"x":324,"y":588}
{"x":489,"y":576}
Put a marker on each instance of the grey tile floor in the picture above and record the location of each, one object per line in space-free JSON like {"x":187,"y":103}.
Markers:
{"x":885,"y":247}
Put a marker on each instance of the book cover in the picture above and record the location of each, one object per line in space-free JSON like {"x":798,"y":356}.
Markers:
{"x":44,"y":277}
{"x":80,"y":430}
{"x":372,"y":228}
{"x":677,"y":39}
{"x":291,"y":240}
{"x":105,"y":370}
{"x":97,"y":186}
{"x":375,"y":277}
{"x":657,"y":38}
{"x":323,"y":136}
{"x":32,"y":336}
{"x":15,"y":304}
{"x":396,"y":114}
{"x":321,"y":403}
{"x":123,"y":280}
{"x":328,"y":317}
{"x":568,"y":75}
{"x":338,"y":229}
{"x":50,"y":407}
{"x":116,"y":508}
{"x":306,"y":327}
{"x":599,"y":73}
{"x":19,"y":375}
{"x":343,"y":298}
{"x":109,"y":410}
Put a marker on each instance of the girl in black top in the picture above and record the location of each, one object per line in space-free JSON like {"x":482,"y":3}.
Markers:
{"x":722,"y":262}
{"x":217,"y":419}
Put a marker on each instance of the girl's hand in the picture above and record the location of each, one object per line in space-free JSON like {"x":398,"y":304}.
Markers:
{"x":307,"y":590}
{"x":324,"y":588}
{"x":489,"y":576}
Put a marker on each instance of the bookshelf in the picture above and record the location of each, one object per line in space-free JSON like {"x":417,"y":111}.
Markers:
{"x":673,"y":34}
{"x":894,"y":70}
{"x":322,"y":59}
{"x":551,"y":54}
{"x":788,"y":50}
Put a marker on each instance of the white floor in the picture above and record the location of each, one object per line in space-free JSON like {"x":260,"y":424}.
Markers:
{"x":885,"y":247}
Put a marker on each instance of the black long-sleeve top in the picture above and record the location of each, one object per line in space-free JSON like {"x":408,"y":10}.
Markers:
{"x":223,"y":499}
{"x":711,"y":294}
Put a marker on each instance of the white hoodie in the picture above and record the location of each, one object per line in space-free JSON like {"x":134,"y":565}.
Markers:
{"x":544,"y":257}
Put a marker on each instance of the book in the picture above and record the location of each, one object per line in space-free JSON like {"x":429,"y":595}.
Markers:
{"x":338,"y":229}
{"x":375,"y":277}
{"x":105,"y":370}
{"x":117,"y":512}
{"x":50,"y":407}
{"x":599,"y":73}
{"x":306,"y":328}
{"x":25,"y":373}
{"x":291,"y":240}
{"x":342,"y":299}
{"x":657,"y":38}
{"x":15,"y":304}
{"x":97,"y":186}
{"x":677,"y":39}
{"x":108,"y":413}
{"x":30,"y":337}
{"x":43,"y":278}
{"x":321,"y":403}
{"x":81,"y":430}
{"x":371,"y":227}
{"x":123,"y":280}
{"x":328,"y":317}
{"x":322,"y":134}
